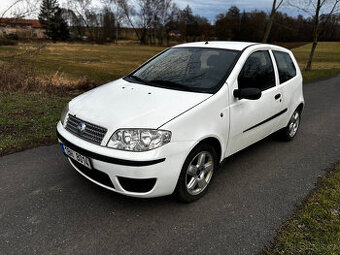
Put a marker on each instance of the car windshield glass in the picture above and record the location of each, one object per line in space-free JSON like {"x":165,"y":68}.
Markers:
{"x":190,"y":69}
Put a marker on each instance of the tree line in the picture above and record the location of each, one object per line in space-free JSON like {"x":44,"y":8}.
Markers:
{"x":152,"y":21}
{"x":160,"y":21}
{"x":251,"y":26}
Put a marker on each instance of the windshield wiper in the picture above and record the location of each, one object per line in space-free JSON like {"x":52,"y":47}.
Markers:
{"x":136,"y":78}
{"x":161,"y":83}
{"x":169,"y":84}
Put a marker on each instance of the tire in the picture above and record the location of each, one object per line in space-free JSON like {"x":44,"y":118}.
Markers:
{"x":289,"y":132}
{"x":197,"y":173}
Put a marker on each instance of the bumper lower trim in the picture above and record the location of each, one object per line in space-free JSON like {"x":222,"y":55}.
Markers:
{"x":94,"y":174}
{"x":107,"y":159}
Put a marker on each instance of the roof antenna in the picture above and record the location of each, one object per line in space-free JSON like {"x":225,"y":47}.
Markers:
{"x":206,"y":42}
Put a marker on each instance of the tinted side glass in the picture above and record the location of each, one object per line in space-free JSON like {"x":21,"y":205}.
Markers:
{"x":285,"y":65}
{"x":257,"y":72}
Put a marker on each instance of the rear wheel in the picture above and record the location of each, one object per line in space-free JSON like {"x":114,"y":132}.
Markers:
{"x":289,"y":132}
{"x":197,"y":173}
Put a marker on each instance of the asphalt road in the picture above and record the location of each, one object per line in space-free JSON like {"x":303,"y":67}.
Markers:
{"x":46,"y":207}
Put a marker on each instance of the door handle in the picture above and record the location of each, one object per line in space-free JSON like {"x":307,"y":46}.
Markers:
{"x":277,"y":96}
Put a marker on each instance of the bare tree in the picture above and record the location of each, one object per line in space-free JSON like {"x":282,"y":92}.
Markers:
{"x":316,"y":8}
{"x":114,"y":8}
{"x":75,"y":23}
{"x":165,"y":12}
{"x":129,"y":12}
{"x":148,"y":18}
{"x":85,"y":12}
{"x":172,"y":22}
{"x":276,"y":5}
{"x":145,"y":16}
{"x":13,"y":4}
{"x":20,"y":9}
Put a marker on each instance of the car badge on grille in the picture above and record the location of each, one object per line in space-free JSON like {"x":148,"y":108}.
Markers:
{"x":81,"y":127}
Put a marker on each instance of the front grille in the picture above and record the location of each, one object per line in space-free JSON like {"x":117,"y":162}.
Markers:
{"x":91,"y":133}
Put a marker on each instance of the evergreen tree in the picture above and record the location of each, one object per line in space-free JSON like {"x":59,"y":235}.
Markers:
{"x":52,"y":20}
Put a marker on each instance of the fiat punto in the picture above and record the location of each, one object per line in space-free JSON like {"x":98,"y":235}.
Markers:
{"x":167,"y":126}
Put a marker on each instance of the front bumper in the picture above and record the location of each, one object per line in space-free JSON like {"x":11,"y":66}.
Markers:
{"x":139,"y":174}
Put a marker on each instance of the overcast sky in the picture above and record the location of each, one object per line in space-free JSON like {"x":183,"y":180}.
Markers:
{"x":211,"y":8}
{"x":207,"y":8}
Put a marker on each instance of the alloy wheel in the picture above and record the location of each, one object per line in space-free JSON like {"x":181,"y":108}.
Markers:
{"x":199,"y":172}
{"x":294,"y":124}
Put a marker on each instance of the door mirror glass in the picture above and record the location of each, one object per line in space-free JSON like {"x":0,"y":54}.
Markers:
{"x":248,"y":93}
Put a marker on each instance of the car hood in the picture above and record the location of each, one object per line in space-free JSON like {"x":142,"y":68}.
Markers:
{"x":122,"y":104}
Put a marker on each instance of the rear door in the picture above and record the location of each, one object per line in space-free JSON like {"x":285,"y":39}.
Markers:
{"x":252,"y":120}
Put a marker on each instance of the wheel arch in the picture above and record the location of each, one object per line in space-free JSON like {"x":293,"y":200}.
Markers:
{"x":300,"y":107}
{"x":215,"y":143}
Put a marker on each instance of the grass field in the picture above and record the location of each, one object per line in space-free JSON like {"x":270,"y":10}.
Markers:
{"x":103,"y":63}
{"x":315,"y":228}
{"x":28,"y":120}
{"x":326,"y":60}
{"x":100,"y":63}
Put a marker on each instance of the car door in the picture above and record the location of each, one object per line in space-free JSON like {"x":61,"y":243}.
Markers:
{"x":252,"y":120}
{"x":289,"y":81}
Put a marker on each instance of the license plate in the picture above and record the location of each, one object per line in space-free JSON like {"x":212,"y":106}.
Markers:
{"x":76,"y":156}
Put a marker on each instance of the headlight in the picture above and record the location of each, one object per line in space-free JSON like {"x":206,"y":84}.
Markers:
{"x":64,"y":114}
{"x":139,"y":139}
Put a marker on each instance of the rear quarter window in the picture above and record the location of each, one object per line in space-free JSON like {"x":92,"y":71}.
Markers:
{"x":285,"y":66}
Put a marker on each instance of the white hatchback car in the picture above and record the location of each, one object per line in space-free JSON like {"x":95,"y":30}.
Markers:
{"x":167,"y":126}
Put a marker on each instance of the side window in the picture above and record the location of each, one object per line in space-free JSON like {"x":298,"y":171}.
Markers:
{"x":285,"y":65}
{"x":257,"y":72}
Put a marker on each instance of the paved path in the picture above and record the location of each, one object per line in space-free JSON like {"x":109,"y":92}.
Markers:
{"x":47,"y":208}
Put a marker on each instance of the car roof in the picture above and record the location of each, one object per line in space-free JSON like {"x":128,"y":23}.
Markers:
{"x":230,"y":45}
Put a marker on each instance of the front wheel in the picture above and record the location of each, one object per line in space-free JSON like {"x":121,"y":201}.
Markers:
{"x":197,"y":173}
{"x":289,"y":132}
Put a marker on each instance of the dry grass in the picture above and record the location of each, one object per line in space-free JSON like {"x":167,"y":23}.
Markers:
{"x":27,"y":79}
{"x":99,"y":63}
{"x":291,"y":45}
{"x":8,"y":42}
{"x":71,"y":62}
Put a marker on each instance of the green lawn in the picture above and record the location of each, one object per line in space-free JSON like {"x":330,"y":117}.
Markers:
{"x":315,"y":228}
{"x":326,"y":61}
{"x":28,"y":120}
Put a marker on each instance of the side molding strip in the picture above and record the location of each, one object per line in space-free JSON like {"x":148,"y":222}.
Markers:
{"x":266,"y":120}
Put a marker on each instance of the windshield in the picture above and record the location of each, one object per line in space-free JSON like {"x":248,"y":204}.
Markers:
{"x":190,"y":69}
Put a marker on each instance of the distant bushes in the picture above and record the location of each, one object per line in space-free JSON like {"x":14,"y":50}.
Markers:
{"x":16,"y":78}
{"x":8,"y":42}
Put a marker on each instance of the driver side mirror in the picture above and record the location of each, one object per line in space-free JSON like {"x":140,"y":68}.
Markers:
{"x":247,"y":93}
